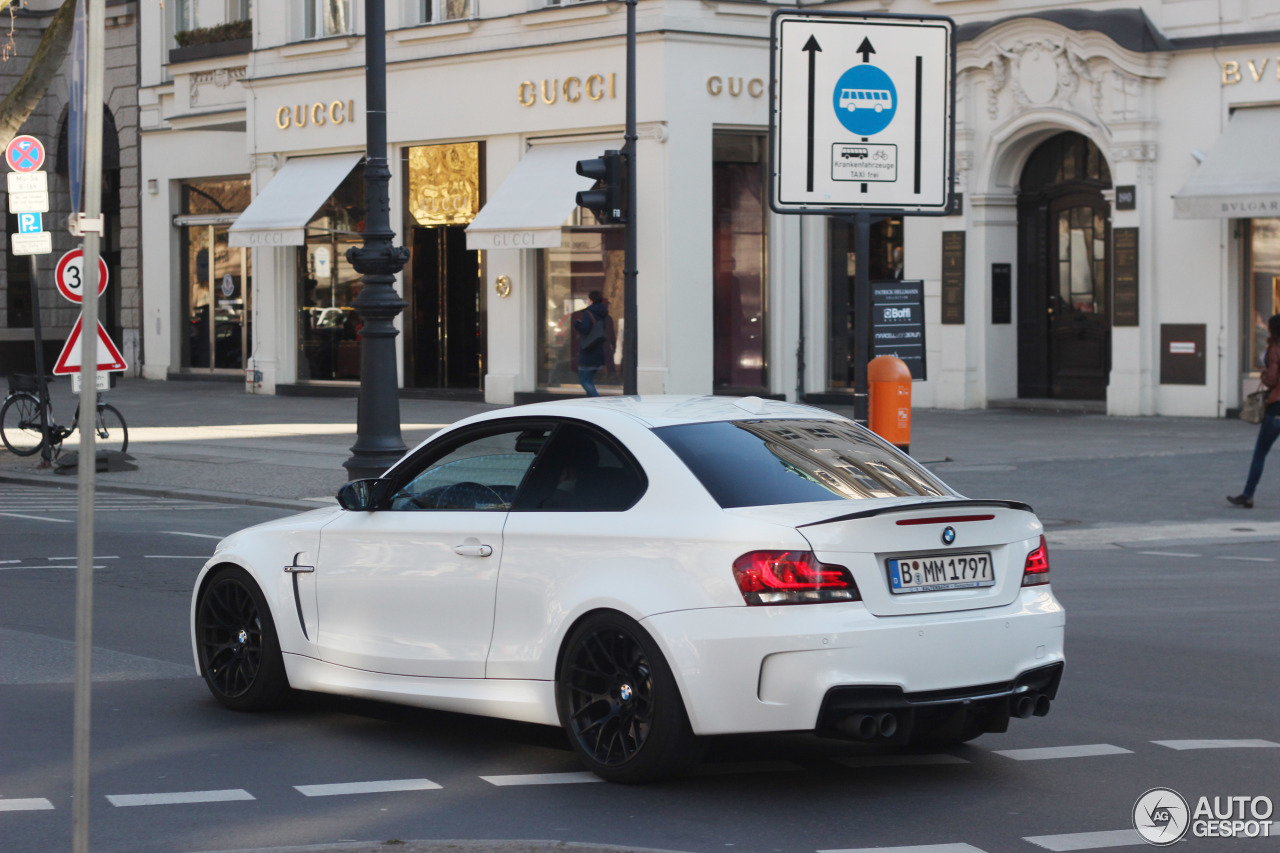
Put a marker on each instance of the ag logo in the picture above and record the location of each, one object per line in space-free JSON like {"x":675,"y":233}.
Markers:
{"x":948,"y":535}
{"x":1161,"y":816}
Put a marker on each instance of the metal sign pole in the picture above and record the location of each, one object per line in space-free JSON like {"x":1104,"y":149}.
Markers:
{"x":42,"y":387}
{"x":92,"y":225}
{"x":630,"y":299}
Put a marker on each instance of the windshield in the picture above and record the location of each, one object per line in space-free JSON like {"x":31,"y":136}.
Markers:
{"x":765,"y":462}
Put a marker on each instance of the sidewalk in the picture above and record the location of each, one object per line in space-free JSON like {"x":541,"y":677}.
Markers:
{"x":1139,"y":478}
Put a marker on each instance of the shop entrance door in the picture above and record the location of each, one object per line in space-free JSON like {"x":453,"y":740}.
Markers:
{"x":217,"y":300}
{"x":447,"y":337}
{"x":1064,"y":235}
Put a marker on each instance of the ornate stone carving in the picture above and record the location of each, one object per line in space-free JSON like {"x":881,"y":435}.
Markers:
{"x":221,"y":78}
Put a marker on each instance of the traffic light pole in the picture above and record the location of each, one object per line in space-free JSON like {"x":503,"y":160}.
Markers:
{"x":629,"y":300}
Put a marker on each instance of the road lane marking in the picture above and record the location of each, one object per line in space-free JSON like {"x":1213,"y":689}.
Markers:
{"x":175,"y":556}
{"x":1217,"y":744}
{"x":25,"y":805}
{"x":918,"y":848}
{"x":1088,"y":840}
{"x":179,"y":797}
{"x":1250,"y":559}
{"x":387,"y":786}
{"x":54,"y":566}
{"x":1168,"y":554}
{"x":51,"y":559}
{"x":543,"y":779}
{"x":858,"y":761}
{"x":37,"y":518}
{"x":1048,"y":752}
{"x":195,"y":535}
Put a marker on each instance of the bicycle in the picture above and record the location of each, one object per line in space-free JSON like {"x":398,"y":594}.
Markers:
{"x":20,"y":428}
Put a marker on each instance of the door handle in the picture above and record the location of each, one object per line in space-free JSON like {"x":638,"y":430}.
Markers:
{"x":472,"y":550}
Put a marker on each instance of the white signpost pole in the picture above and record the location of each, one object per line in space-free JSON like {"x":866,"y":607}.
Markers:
{"x":91,"y":226}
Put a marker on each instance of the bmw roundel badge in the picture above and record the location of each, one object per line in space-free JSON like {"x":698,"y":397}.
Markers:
{"x":948,"y":535}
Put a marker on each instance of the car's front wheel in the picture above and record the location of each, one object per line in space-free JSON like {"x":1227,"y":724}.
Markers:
{"x":236,"y":640}
{"x":619,"y":702}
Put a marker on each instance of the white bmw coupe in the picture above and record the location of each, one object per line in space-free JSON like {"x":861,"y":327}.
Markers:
{"x":642,"y":571}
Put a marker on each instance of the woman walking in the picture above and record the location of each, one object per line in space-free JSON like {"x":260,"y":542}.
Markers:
{"x":1270,"y":428}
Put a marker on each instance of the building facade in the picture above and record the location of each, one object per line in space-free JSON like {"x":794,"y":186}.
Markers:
{"x":1117,"y":238}
{"x":121,"y":305}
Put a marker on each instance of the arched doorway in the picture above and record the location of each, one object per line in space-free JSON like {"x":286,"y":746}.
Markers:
{"x":1064,"y":286}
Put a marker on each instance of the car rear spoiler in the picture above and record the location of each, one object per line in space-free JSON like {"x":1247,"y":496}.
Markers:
{"x":927,"y":505}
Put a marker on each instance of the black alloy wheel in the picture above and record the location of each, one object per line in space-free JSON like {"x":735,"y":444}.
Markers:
{"x":619,"y":702}
{"x":236,"y":638}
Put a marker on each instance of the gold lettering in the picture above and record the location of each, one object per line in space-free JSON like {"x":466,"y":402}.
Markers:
{"x":351,"y":110}
{"x":282,"y":118}
{"x":593,"y":81}
{"x":1230,"y":73}
{"x":1258,"y":72}
{"x":731,"y":87}
{"x":335,"y":113}
{"x":755,"y":88}
{"x":317,"y":115}
{"x":300,"y":116}
{"x":576,"y":95}
{"x":526,"y":94}
{"x":715,"y":85}
{"x":552,"y":99}
{"x":612,"y":80}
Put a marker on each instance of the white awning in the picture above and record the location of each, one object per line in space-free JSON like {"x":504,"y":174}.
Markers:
{"x":280,"y":213}
{"x":537,"y":197}
{"x":1240,"y":179}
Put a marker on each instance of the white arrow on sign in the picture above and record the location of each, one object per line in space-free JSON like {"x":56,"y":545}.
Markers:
{"x":109,"y":357}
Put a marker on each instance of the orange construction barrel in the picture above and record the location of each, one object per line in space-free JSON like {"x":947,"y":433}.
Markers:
{"x":889,"y":379}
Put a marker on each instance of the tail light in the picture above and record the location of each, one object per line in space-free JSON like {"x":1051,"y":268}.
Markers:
{"x":791,"y":577}
{"x":1036,"y":571}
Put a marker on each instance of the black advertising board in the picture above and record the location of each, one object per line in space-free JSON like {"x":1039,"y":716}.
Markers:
{"x":1001,"y":293}
{"x":897,"y":323}
{"x":1125,"y":243}
{"x":953,"y":278}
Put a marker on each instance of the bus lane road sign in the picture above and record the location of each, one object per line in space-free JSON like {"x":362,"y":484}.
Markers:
{"x":862,"y":115}
{"x":69,"y":275}
{"x":24,"y":154}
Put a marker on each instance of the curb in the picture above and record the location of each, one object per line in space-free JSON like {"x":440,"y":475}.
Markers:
{"x":169,"y":492}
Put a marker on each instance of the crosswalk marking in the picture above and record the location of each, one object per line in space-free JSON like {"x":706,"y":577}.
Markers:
{"x":940,"y":758}
{"x":543,"y":779}
{"x":1216,"y":744}
{"x":178,"y":797}
{"x":1087,"y":840}
{"x":17,"y":501}
{"x":387,"y":786}
{"x":32,"y":805}
{"x":1049,"y":752}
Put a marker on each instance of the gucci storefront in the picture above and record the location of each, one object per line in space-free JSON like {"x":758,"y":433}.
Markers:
{"x":1115,"y":244}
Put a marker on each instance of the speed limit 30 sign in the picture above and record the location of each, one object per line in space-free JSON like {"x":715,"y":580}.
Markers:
{"x":70,"y":275}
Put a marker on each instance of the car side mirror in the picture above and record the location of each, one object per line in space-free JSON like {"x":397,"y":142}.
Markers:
{"x":362,"y":495}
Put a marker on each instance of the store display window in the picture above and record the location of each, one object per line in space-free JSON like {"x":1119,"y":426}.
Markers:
{"x":1261,"y":287}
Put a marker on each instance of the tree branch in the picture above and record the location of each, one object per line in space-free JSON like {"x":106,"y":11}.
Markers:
{"x":19,"y":104}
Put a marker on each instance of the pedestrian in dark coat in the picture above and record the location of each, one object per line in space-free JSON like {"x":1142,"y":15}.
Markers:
{"x":1269,"y":429}
{"x":595,"y":341}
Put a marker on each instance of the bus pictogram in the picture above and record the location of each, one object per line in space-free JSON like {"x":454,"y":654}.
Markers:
{"x":866,"y":99}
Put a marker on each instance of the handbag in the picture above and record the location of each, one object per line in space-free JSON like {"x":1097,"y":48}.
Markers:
{"x":1255,"y":405}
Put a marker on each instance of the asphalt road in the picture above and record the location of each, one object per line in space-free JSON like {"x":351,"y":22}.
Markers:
{"x":1171,"y":681}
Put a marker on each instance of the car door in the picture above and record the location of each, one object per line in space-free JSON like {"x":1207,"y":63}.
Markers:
{"x":409,"y":587}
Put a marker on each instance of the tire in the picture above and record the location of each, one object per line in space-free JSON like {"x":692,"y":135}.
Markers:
{"x":237,"y":644}
{"x":619,"y":702}
{"x":20,"y":424}
{"x":111,"y":431}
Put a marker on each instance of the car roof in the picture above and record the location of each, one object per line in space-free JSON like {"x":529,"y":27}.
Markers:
{"x":665,"y":410}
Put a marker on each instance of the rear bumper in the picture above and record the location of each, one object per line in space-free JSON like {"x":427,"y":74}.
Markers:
{"x":760,"y":669}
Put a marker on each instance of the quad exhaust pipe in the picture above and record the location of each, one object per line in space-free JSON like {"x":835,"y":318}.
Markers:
{"x":870,"y":726}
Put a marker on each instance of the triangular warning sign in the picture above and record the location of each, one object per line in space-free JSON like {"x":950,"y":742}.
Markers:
{"x":109,"y":357}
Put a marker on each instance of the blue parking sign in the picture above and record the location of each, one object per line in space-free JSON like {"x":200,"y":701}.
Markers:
{"x":30,"y":223}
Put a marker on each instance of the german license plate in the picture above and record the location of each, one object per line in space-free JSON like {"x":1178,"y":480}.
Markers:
{"x":943,"y":571}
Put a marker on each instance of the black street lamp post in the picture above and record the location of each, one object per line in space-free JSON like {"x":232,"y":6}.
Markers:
{"x":378,"y":442}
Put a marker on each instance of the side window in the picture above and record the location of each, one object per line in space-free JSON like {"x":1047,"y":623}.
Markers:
{"x":482,"y":473}
{"x":581,"y":470}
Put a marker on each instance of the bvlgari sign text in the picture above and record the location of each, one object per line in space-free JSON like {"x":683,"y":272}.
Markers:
{"x":1253,"y":70}
{"x":318,"y":114}
{"x":594,"y":87}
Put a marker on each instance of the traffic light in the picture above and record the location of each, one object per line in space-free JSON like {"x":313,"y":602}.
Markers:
{"x":608,"y":198}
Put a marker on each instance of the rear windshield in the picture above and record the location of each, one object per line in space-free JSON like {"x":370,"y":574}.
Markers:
{"x":766,"y":462}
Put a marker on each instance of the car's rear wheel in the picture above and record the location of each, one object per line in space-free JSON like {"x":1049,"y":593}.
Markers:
{"x":619,"y":702}
{"x":236,"y":640}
